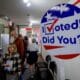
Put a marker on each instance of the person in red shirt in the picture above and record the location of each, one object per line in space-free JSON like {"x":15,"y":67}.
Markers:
{"x":20,"y":45}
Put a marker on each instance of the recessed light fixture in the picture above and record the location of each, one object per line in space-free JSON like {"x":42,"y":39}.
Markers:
{"x":25,"y":1}
{"x":28,"y":4}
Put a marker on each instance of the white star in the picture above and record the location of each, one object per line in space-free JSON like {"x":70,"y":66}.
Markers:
{"x":49,"y":17}
{"x":63,"y":8}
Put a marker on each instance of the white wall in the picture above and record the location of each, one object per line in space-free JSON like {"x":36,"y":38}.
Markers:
{"x":72,"y":68}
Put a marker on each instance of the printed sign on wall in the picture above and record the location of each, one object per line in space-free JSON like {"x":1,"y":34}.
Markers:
{"x":61,"y":31}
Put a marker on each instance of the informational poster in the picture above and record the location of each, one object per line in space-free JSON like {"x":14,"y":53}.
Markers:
{"x":61,"y":31}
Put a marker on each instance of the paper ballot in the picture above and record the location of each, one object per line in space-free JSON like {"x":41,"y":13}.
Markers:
{"x":10,"y":63}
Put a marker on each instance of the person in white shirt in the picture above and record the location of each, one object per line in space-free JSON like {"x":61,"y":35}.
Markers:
{"x":32,"y":55}
{"x":33,"y":46}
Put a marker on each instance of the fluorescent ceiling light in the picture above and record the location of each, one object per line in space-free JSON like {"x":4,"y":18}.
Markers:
{"x":28,"y":4}
{"x":32,"y":22}
{"x":25,"y":1}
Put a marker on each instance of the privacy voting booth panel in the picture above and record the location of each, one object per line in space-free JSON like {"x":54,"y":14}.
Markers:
{"x":60,"y":28}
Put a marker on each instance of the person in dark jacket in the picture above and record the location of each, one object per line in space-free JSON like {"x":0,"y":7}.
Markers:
{"x":25,"y":45}
{"x":42,"y":69}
